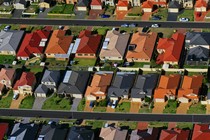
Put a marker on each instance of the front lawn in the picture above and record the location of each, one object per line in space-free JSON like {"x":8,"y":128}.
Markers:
{"x":145,"y":109}
{"x":63,"y":9}
{"x":123,"y":107}
{"x":171,"y":107}
{"x":6,"y":59}
{"x":185,"y":125}
{"x":101,"y":30}
{"x":81,"y":105}
{"x":27,"y":102}
{"x":99,"y":109}
{"x":197,"y":109}
{"x":57,"y":103}
{"x":130,"y":124}
{"x":188,"y":13}
{"x":158,"y":124}
{"x":5,"y":102}
{"x":84,"y":62}
{"x":6,"y":8}
{"x":163,"y":13}
{"x":94,"y":124}
{"x":32,"y":9}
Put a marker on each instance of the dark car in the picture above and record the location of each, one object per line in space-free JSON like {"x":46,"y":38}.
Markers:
{"x":78,"y":121}
{"x":92,"y":103}
{"x":105,"y":16}
{"x":145,"y":29}
{"x":156,"y":18}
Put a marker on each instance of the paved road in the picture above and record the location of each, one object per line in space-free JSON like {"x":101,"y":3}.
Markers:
{"x":105,"y":116}
{"x":102,"y":23}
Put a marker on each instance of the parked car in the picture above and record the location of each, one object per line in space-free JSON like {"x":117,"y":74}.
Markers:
{"x":156,"y":18}
{"x":110,"y":103}
{"x":51,"y":122}
{"x":92,"y":103}
{"x":155,"y":25}
{"x":124,"y":25}
{"x":184,"y":19}
{"x":114,"y":104}
{"x":105,"y":16}
{"x":41,"y":10}
{"x":6,"y":28}
{"x":132,"y":25}
{"x":78,"y":121}
{"x":15,"y":96}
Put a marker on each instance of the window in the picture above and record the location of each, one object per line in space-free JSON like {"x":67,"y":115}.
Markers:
{"x":79,"y":54}
{"x":86,"y":54}
{"x":91,"y":54}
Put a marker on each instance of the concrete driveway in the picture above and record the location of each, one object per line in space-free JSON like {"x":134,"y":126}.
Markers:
{"x":44,"y":14}
{"x":172,"y":16}
{"x":17,"y":13}
{"x":135,"y":107}
{"x":183,"y":107}
{"x":159,"y":107}
{"x":87,"y":107}
{"x":38,"y":103}
{"x":76,"y":102}
{"x":80,"y":14}
{"x":16,"y":103}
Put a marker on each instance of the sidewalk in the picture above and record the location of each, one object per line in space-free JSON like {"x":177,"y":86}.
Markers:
{"x":16,"y":103}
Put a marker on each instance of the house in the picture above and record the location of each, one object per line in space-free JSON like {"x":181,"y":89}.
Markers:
{"x":112,"y":133}
{"x":201,"y":132}
{"x":114,"y":45}
{"x":71,"y":1}
{"x":10,"y":41}
{"x":3,"y":130}
{"x":159,"y":3}
{"x":74,"y":83}
{"x":190,"y":88}
{"x":96,"y":5}
{"x":7,"y":76}
{"x":89,"y":44}
{"x":59,"y":45}
{"x":109,"y":2}
{"x":20,"y":4}
{"x":82,"y":5}
{"x":121,"y":85}
{"x":2,"y":89}
{"x":175,"y":134}
{"x":99,"y":85}
{"x":148,"y":134}
{"x":80,"y":133}
{"x":25,"y":84}
{"x":187,"y":4}
{"x":147,"y":6}
{"x":53,"y":132}
{"x":33,"y":44}
{"x":201,"y":6}
{"x":45,"y":3}
{"x":22,"y":131}
{"x":7,"y":2}
{"x":174,"y":6}
{"x":167,"y":88}
{"x":41,"y":91}
{"x":122,"y":5}
{"x":144,"y":87}
{"x":51,"y":79}
{"x":141,"y":47}
{"x":170,"y":49}
{"x":135,"y":2}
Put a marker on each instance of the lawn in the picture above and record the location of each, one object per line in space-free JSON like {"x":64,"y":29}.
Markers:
{"x":27,"y":102}
{"x":140,"y":64}
{"x":109,"y":10}
{"x":6,"y":59}
{"x":188,"y":13}
{"x":5,"y":102}
{"x":57,"y":103}
{"x":75,"y":30}
{"x":145,"y":109}
{"x":167,"y":32}
{"x":94,"y":124}
{"x":171,"y":107}
{"x":55,"y":64}
{"x":63,"y":9}
{"x":6,"y":8}
{"x":185,"y":125}
{"x":99,"y":109}
{"x":130,"y":124}
{"x":158,"y":124}
{"x":81,"y":105}
{"x":32,"y":9}
{"x":163,"y":13}
{"x":101,"y":30}
{"x":84,"y":62}
{"x":197,"y":109}
{"x":123,"y":107}
{"x":196,"y":66}
{"x":35,"y":69}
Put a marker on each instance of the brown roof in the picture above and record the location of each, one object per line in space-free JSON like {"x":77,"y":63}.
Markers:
{"x":175,"y":134}
{"x":201,"y":132}
{"x":6,"y":74}
{"x":111,"y":133}
{"x":145,"y":44}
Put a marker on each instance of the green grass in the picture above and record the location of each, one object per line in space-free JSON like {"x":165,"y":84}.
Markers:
{"x":145,"y":110}
{"x":132,"y":125}
{"x":99,"y":109}
{"x":69,"y":9}
{"x":197,"y":109}
{"x":63,"y":9}
{"x":5,"y":102}
{"x":196,"y":66}
{"x":95,"y":124}
{"x":163,"y":13}
{"x":158,"y":124}
{"x":185,"y":125}
{"x":171,"y":107}
{"x":188,"y":13}
{"x":67,"y":121}
{"x":6,"y":59}
{"x":53,"y":64}
{"x":27,"y":103}
{"x":84,"y":62}
{"x":6,"y":8}
{"x":57,"y":103}
{"x":123,"y":107}
{"x":32,"y":9}
{"x":101,"y":30}
{"x":167,"y":32}
{"x":75,"y":30}
{"x":81,"y":105}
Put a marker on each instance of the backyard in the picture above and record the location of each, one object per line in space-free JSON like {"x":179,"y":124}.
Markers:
{"x":101,"y":30}
{"x":55,"y":64}
{"x":188,"y":13}
{"x":171,"y":107}
{"x":185,"y":125}
{"x":197,"y":109}
{"x":158,"y":124}
{"x":6,"y":59}
{"x":5,"y":102}
{"x":123,"y":107}
{"x":84,"y":62}
{"x":63,"y":9}
{"x":27,"y":102}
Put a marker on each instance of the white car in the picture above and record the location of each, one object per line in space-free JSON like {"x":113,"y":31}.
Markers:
{"x":155,"y":25}
{"x":184,"y":19}
{"x":114,"y":104}
{"x":6,"y":28}
{"x":15,"y":96}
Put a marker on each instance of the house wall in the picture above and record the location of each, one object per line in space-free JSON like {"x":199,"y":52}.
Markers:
{"x":173,"y":10}
{"x":19,"y":6}
{"x":171,"y":62}
{"x":109,"y":2}
{"x":204,"y":46}
{"x":200,"y":9}
{"x":50,"y":55}
{"x":7,"y":53}
{"x":83,"y":55}
{"x":25,"y":90}
{"x":136,"y":100}
{"x":188,"y":4}
{"x":137,"y":60}
{"x":183,"y":100}
{"x":44,"y":5}
{"x":23,"y":58}
{"x":71,"y":1}
{"x":96,"y":7}
{"x":7,"y":83}
{"x":135,"y":2}
{"x":114,"y":98}
{"x":147,"y":9}
{"x":122,"y":8}
{"x":92,"y":98}
{"x":159,"y":100}
{"x":77,"y":95}
{"x":80,"y":8}
{"x":111,"y":58}
{"x":49,"y":83}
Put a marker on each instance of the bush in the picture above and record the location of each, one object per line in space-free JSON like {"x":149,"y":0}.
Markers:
{"x":102,"y":103}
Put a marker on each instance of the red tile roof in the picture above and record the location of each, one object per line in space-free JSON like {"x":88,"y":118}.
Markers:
{"x":31,"y":43}
{"x":147,"y":4}
{"x":122,"y":3}
{"x":96,"y":2}
{"x":172,"y":48}
{"x":201,"y":132}
{"x":200,"y":3}
{"x":27,"y":78}
{"x":3,"y":130}
{"x":176,"y":134}
{"x":89,"y":43}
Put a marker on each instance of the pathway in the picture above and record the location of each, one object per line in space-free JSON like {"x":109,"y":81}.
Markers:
{"x":44,"y":14}
{"x":87,"y":107}
{"x":159,"y":107}
{"x":146,"y":16}
{"x":16,"y":103}
{"x":208,"y":109}
{"x":110,"y":110}
{"x":135,"y":107}
{"x":76,"y":102}
{"x":39,"y":101}
{"x":183,"y":107}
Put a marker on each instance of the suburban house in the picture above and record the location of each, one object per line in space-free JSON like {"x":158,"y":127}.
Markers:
{"x":187,"y":4}
{"x":134,"y":2}
{"x":59,"y":45}
{"x":114,"y":45}
{"x":112,"y":133}
{"x":25,"y":84}
{"x":41,"y":91}
{"x":121,"y":85}
{"x":89,"y":44}
{"x":10,"y":41}
{"x":147,"y":134}
{"x":74,"y":84}
{"x":170,"y":49}
{"x":174,"y":6}
{"x":45,"y":3}
{"x":201,"y":132}
{"x":7,"y":2}
{"x":122,"y":5}
{"x":4,"y":127}
{"x":190,"y":89}
{"x":141,"y":47}
{"x":201,"y":6}
{"x":51,"y":79}
{"x":144,"y":87}
{"x":96,"y":5}
{"x":7,"y":77}
{"x":33,"y":44}
{"x":80,"y":133}
{"x":159,"y":3}
{"x":20,"y":4}
{"x":2,"y":89}
{"x":22,"y":131}
{"x":82,"y":5}
{"x":178,"y":134}
{"x":198,"y":45}
{"x":167,"y":88}
{"x":147,"y":6}
{"x":71,"y":1}
{"x":99,"y":85}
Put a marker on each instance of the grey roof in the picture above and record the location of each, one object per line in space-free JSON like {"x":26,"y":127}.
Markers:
{"x":20,"y":1}
{"x":10,"y":40}
{"x":198,"y":53}
{"x":174,"y":4}
{"x":74,"y":82}
{"x":80,"y":133}
{"x":150,"y":133}
{"x":144,"y":85}
{"x":24,"y":131}
{"x":198,"y":38}
{"x":83,"y":3}
{"x":122,"y":84}
{"x":51,"y":76}
{"x":41,"y":89}
{"x":208,"y":95}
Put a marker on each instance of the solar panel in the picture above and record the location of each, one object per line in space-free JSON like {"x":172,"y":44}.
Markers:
{"x":67,"y":76}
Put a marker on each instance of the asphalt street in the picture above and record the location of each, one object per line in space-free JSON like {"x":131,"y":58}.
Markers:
{"x":105,"y":116}
{"x":169,"y":24}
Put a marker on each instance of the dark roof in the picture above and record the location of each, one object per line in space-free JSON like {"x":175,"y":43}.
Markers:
{"x":149,"y":134}
{"x":3,"y":130}
{"x":80,"y":133}
{"x":197,"y":38}
{"x":83,"y":3}
{"x":21,"y":1}
{"x":122,"y":84}
{"x":198,"y":53}
{"x":208,"y":95}
{"x":144,"y":85}
{"x":74,"y":82}
{"x":41,"y":89}
{"x":174,"y":4}
{"x":51,"y":76}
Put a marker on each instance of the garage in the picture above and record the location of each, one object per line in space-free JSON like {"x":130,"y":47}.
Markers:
{"x":136,"y":100}
{"x":41,"y":95}
{"x":81,"y":8}
{"x":122,"y":8}
{"x":174,"y":7}
{"x":96,"y":7}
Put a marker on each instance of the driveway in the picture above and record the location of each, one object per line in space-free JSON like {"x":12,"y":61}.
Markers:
{"x":135,"y":107}
{"x":38,"y":103}
{"x":17,"y":13}
{"x":87,"y":107}
{"x":159,"y":107}
{"x":172,"y":16}
{"x":16,"y":103}
{"x":44,"y":14}
{"x":76,"y":102}
{"x":146,"y":16}
{"x":120,"y":15}
{"x":207,"y":109}
{"x":109,"y":109}
{"x":183,"y":107}
{"x":93,"y":14}
{"x":80,"y":14}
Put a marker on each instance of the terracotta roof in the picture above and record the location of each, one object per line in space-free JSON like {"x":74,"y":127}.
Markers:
{"x":200,"y":3}
{"x":27,"y":78}
{"x":175,"y":134}
{"x":172,"y":48}
{"x":201,"y":132}
{"x":96,"y":2}
{"x":147,"y":4}
{"x":6,"y":74}
{"x":145,"y":44}
{"x":89,"y":43}
{"x":122,"y":3}
{"x":59,"y":43}
{"x":32,"y":43}
{"x":3,"y":130}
